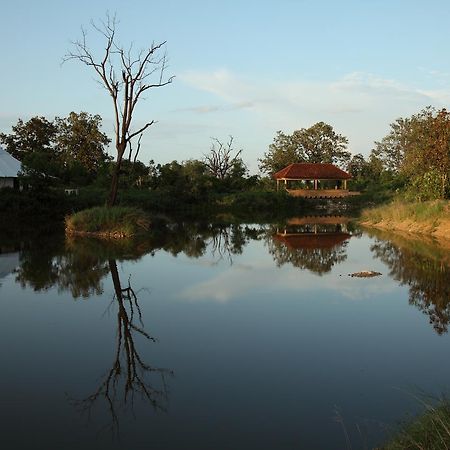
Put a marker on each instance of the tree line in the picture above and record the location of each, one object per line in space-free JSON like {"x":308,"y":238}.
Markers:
{"x":413,"y":157}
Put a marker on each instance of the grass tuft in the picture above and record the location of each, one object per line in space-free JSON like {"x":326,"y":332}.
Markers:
{"x":430,"y":431}
{"x":117,"y":221}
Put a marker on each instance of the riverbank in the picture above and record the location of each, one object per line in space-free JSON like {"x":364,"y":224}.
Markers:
{"x":424,"y":218}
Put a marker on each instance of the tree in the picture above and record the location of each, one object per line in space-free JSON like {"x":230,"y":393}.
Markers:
{"x":222,"y":160}
{"x":316,"y":144}
{"x":418,"y":148}
{"x":35,"y":135}
{"x":392,"y":148}
{"x":126,"y":75}
{"x":79,"y":139}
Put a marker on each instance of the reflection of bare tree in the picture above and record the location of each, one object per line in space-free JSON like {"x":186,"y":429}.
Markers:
{"x":306,"y":245}
{"x":426,"y":274}
{"x":129,"y":376}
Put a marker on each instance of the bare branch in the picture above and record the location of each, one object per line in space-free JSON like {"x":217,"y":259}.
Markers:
{"x":126,"y":75}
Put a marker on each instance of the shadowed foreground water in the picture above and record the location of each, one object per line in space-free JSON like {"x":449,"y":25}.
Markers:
{"x":219,"y":336}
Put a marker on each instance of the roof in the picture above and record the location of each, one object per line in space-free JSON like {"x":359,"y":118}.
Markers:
{"x":312,"y":171}
{"x":313,"y":241}
{"x":9,"y":166}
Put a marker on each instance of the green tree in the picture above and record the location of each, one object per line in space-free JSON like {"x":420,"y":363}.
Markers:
{"x":418,"y":148}
{"x":316,"y":144}
{"x":35,"y":135}
{"x":79,"y":139}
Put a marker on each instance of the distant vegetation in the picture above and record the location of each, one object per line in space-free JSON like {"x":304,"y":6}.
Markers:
{"x":411,"y":163}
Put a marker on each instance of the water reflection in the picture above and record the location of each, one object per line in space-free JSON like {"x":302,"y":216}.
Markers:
{"x":129,"y":377}
{"x":424,"y":268}
{"x":312,"y":243}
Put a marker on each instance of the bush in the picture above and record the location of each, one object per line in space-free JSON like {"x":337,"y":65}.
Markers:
{"x":117,"y":221}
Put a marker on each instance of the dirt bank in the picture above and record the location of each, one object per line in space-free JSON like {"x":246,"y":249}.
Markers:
{"x":440,"y":230}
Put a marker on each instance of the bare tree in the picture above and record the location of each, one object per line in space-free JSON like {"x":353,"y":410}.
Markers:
{"x":222,"y":158}
{"x":126,"y":75}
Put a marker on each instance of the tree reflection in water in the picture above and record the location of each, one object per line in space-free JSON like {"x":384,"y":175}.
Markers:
{"x":313,"y":243}
{"x":129,"y":376}
{"x":425,"y":268}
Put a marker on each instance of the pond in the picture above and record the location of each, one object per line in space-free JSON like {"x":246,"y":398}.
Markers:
{"x":220,"y":336}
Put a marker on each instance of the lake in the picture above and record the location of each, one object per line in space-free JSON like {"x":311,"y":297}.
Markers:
{"x":220,"y":336}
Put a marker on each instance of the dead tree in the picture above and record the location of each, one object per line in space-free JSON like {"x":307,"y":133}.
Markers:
{"x":126,"y":75}
{"x":221,"y":158}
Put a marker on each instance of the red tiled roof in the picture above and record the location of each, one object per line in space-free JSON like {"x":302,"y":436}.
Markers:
{"x":312,"y":241}
{"x":312,"y":171}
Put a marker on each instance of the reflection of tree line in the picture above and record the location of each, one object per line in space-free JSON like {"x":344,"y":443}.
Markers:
{"x":80,"y":265}
{"x":426,"y":270}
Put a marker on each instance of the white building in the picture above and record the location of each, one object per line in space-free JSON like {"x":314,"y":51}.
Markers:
{"x":9,"y":169}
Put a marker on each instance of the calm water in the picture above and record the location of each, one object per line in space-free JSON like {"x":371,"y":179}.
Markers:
{"x":219,"y":336}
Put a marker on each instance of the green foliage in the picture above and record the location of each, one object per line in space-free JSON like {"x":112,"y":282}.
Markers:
{"x":418,"y":148}
{"x":425,"y":187}
{"x":316,"y":144}
{"x":67,"y":150}
{"x":430,"y":431}
{"x":115,"y":221}
{"x":79,"y":139}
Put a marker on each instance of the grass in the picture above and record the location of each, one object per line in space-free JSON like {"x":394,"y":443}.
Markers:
{"x":117,"y":221}
{"x":430,"y":431}
{"x":399,"y":211}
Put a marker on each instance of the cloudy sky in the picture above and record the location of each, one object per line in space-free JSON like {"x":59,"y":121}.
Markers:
{"x":243,"y":68}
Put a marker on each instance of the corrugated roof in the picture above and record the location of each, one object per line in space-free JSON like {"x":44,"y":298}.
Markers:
{"x":9,"y":166}
{"x":312,"y":171}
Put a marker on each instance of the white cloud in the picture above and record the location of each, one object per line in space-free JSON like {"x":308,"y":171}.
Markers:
{"x":359,"y":105}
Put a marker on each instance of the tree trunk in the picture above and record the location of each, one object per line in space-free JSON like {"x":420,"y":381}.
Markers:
{"x":115,"y":178}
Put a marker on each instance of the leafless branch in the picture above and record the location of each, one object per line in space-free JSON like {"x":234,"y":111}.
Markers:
{"x":136,"y":70}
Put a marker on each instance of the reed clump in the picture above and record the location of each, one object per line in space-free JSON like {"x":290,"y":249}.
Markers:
{"x":102,"y":221}
{"x":430,"y":431}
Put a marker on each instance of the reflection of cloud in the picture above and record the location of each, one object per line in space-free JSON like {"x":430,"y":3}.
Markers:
{"x":237,"y":281}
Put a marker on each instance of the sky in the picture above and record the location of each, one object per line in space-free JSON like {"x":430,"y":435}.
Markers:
{"x":242,"y":68}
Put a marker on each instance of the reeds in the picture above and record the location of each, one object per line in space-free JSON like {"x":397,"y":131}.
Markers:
{"x":117,"y":221}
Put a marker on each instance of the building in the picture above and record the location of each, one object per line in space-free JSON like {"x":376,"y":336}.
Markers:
{"x":9,"y":169}
{"x":314,"y":180}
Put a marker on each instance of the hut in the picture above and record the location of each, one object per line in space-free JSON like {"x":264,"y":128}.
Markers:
{"x":319,"y":180}
{"x":9,"y":169}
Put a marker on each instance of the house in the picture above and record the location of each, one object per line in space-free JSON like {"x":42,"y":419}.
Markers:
{"x":9,"y":169}
{"x":317,"y":180}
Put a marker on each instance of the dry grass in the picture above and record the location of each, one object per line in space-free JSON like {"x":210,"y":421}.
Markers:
{"x":420,"y":217}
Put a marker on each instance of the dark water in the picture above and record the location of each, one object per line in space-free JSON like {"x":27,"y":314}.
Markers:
{"x":219,"y":336}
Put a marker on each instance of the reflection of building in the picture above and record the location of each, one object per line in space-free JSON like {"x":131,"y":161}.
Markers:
{"x":313,"y":243}
{"x":318,"y":180}
{"x":8,"y":263}
{"x":314,"y":232}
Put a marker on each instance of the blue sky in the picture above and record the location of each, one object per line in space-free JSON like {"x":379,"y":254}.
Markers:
{"x":243,"y":68}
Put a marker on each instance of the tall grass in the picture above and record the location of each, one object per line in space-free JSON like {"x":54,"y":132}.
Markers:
{"x":430,"y":431}
{"x":399,"y":210}
{"x":116,"y":221}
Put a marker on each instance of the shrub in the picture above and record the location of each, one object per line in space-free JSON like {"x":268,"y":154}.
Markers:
{"x":117,"y":221}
